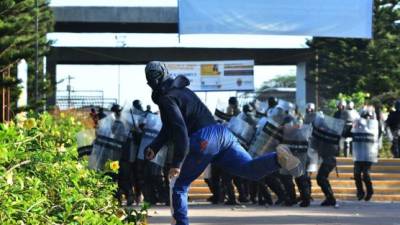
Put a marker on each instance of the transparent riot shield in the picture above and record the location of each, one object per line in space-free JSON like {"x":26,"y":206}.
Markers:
{"x":286,"y":106}
{"x":85,"y":140}
{"x":151,"y":129}
{"x":261,"y":108}
{"x":134,"y":118}
{"x":296,"y":137}
{"x":220,"y":113}
{"x":267,"y":139}
{"x":309,"y":117}
{"x":111,"y":136}
{"x":314,"y":160}
{"x":242,"y":130}
{"x":326,"y":135}
{"x":365,"y":140}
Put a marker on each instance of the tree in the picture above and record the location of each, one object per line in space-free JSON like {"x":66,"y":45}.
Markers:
{"x":18,"y":38}
{"x":282,"y":81}
{"x":351,"y":65}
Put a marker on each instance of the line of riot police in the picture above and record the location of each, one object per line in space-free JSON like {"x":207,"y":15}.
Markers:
{"x":123,"y":136}
{"x":315,"y":139}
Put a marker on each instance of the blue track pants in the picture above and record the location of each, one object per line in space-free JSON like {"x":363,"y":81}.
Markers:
{"x":218,"y":145}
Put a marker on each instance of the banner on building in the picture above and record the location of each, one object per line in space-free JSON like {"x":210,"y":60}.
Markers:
{"x":320,"y":18}
{"x":236,"y":75}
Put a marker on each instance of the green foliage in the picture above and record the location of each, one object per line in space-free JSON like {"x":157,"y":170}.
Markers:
{"x":42,"y":181}
{"x":351,"y":65}
{"x":359,"y":98}
{"x":282,"y":81}
{"x":18,"y":40}
{"x":138,"y":216}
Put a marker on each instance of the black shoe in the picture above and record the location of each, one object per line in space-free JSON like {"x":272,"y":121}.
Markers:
{"x":329,"y":202}
{"x":290,"y":202}
{"x":130,"y":200}
{"x":279,"y":202}
{"x":231,"y":202}
{"x":211,"y":199}
{"x":304,"y":203}
{"x":360,"y":195}
{"x":368,"y":196}
{"x":262,"y":202}
{"x":253,"y":201}
{"x":244,"y":200}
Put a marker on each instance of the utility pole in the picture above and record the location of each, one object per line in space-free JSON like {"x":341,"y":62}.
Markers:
{"x":119,"y":84}
{"x":37,"y":53}
{"x":69,"y":89}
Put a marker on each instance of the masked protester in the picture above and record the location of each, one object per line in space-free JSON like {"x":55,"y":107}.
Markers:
{"x":365,"y":152}
{"x":198,"y":140}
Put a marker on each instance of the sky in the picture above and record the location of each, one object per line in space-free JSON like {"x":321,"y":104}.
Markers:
{"x":127,"y":82}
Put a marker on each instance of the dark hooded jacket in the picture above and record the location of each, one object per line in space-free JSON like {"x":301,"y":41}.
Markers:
{"x":182,"y":114}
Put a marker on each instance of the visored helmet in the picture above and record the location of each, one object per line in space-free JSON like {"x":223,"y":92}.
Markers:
{"x":350,"y":105}
{"x":341,"y":104}
{"x":137,"y":104}
{"x":310,"y":107}
{"x":233,"y":101}
{"x":272,"y":101}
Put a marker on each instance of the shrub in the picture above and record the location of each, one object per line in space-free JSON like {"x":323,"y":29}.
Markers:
{"x":42,"y":181}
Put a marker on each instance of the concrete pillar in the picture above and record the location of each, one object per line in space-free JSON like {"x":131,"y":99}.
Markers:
{"x":301,"y":89}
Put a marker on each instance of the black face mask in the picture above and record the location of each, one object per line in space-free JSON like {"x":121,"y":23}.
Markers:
{"x":153,"y":78}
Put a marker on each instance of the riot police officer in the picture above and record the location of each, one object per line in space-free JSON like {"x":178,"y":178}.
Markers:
{"x":393,"y":122}
{"x":365,"y":152}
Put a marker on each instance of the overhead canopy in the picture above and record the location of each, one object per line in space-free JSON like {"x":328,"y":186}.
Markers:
{"x":322,"y":18}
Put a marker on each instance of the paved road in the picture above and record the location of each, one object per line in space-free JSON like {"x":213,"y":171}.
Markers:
{"x":351,"y":213}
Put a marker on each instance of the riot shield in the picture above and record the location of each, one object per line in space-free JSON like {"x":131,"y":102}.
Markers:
{"x":313,"y":160}
{"x":220,"y":113}
{"x":134,"y":118}
{"x":85,"y":140}
{"x":326,"y":135}
{"x":309,"y":117}
{"x":365,"y":140}
{"x":296,"y":137}
{"x":267,"y":139}
{"x":349,"y":116}
{"x":111,"y":136}
{"x":261,"y":108}
{"x":286,"y":106}
{"x":151,"y":129}
{"x":242,"y":130}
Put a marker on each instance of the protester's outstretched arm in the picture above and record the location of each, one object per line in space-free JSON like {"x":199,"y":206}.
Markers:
{"x":160,"y":140}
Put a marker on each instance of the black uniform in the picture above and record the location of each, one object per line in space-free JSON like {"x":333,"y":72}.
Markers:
{"x":393,"y":122}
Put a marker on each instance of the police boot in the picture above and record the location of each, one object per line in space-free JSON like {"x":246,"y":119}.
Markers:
{"x":358,"y":181}
{"x":229,"y":191}
{"x":368,"y":185}
{"x":359,"y":186}
{"x":130,"y":198}
{"x":287,"y":181}
{"x":276,"y":186}
{"x":327,"y":190}
{"x":330,"y":199}
{"x":305,"y":193}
